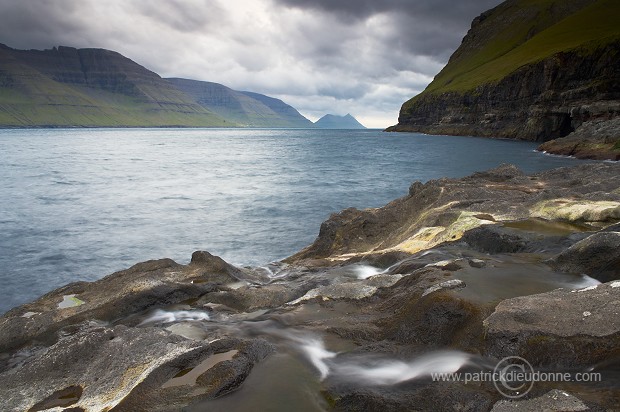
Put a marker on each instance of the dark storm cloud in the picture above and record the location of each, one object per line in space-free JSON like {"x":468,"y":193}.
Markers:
{"x":26,"y":24}
{"x":184,"y":16}
{"x":430,"y":27}
{"x":436,"y":10}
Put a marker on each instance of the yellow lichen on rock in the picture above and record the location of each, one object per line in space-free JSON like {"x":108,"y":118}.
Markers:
{"x":421,"y":240}
{"x":577,"y":210}
{"x":428,"y":237}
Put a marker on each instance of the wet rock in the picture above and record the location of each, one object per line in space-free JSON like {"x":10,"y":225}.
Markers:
{"x":102,"y":365}
{"x":612,"y":228}
{"x":229,"y":375}
{"x":595,"y":139}
{"x":449,"y":265}
{"x":554,"y":400}
{"x":218,"y":269}
{"x":477,"y":263}
{"x":436,"y":320}
{"x":495,"y":239}
{"x":448,"y":284}
{"x":248,"y":298}
{"x":562,"y":328}
{"x":383,"y":280}
{"x":409,"y":396}
{"x":420,"y":309}
{"x":158,"y":282}
{"x":597,"y":256}
{"x":408,"y":266}
{"x":352,"y":290}
{"x":223,"y":375}
{"x":382,"y":259}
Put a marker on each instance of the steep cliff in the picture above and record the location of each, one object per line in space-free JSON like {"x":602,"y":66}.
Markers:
{"x":531,"y":70}
{"x":244,"y":108}
{"x":65,"y":86}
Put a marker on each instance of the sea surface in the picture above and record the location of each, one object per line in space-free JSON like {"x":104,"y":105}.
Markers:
{"x":78,"y":204}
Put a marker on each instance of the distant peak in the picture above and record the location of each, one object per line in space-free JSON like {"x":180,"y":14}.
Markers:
{"x":332,"y":121}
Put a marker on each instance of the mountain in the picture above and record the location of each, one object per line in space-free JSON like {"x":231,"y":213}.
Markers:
{"x":286,"y":112}
{"x":532,"y":70}
{"x":68,"y":87}
{"x":331,"y":121}
{"x":65,"y":86}
{"x":243,"y":108}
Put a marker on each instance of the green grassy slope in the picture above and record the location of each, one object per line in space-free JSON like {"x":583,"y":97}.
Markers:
{"x":512,"y":44}
{"x":289,"y":115}
{"x":244,"y":108}
{"x":41,"y":88}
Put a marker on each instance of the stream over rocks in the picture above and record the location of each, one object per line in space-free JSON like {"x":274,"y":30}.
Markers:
{"x":380,"y":312}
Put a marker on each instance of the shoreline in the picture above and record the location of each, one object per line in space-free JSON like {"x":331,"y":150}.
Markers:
{"x":400,"y":282}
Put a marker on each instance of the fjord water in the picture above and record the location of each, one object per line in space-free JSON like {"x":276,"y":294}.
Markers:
{"x":78,"y":204}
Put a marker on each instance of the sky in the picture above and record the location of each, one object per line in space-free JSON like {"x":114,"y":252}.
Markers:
{"x":364,"y":57}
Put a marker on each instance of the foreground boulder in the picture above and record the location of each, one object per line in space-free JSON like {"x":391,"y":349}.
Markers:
{"x":597,"y":256}
{"x":562,"y":328}
{"x":94,"y":369}
{"x":125,"y":369}
{"x":554,"y":400}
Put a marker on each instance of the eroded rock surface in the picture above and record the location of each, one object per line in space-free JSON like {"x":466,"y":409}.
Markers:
{"x":443,"y":210}
{"x":596,"y":139}
{"x":555,"y":400}
{"x":597,"y":256}
{"x":569,"y":328}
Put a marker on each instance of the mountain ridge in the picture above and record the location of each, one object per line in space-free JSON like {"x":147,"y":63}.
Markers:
{"x":247,"y":109}
{"x":68,"y":87}
{"x":91,"y":87}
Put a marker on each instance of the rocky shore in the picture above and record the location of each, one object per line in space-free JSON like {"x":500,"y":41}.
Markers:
{"x":596,"y":139}
{"x":453,"y":277}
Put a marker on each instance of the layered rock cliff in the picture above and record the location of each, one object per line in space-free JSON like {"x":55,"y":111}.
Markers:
{"x":65,"y":86}
{"x":526,"y":70}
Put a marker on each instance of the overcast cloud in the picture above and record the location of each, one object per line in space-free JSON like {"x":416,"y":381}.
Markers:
{"x":362,"y":57}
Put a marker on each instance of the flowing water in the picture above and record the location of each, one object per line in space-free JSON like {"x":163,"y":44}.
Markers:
{"x":308,"y":356}
{"x":78,"y":204}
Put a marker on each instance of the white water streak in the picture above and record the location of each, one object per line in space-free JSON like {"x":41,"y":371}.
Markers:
{"x":380,"y":371}
{"x":163,"y":316}
{"x":391,"y":372}
{"x":366,"y":271}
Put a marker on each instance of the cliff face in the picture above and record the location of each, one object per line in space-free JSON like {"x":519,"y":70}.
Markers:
{"x":526,"y":70}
